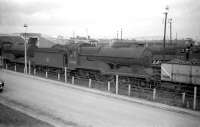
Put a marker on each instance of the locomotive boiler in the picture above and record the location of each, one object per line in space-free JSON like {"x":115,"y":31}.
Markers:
{"x":134,"y":61}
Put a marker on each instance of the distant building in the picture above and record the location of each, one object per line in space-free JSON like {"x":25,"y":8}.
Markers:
{"x":33,"y":39}
{"x":126,"y":43}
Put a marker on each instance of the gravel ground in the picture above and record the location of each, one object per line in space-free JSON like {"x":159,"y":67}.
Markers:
{"x":13,"y":118}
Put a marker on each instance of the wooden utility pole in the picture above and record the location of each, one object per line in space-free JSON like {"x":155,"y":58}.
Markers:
{"x":170,"y":23}
{"x":117,"y":35}
{"x":164,"y":38}
{"x":121,"y":33}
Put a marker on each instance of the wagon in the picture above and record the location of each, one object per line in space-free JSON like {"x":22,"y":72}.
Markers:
{"x":181,"y":73}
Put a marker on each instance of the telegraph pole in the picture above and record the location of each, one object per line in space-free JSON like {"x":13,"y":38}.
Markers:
{"x":25,"y":51}
{"x":170,"y":23}
{"x":117,"y":35}
{"x":164,"y":38}
{"x":121,"y":33}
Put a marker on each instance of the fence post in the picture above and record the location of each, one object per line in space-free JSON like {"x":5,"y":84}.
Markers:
{"x":72,"y":80}
{"x":154,"y":93}
{"x":108,"y":86}
{"x":129,"y":89}
{"x":117,"y":84}
{"x":65,"y":74}
{"x":34,"y":71}
{"x":29,"y":67}
{"x":6,"y":66}
{"x":1,"y":59}
{"x":58,"y":75}
{"x":195,"y":98}
{"x":183,"y":98}
{"x":46,"y":74}
{"x":188,"y":104}
{"x":15,"y":67}
{"x":90,"y":83}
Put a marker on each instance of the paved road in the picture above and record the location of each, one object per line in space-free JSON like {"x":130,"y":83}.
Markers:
{"x":13,"y":118}
{"x":78,"y":108}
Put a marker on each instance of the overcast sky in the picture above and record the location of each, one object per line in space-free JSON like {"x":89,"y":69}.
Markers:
{"x":100,"y":18}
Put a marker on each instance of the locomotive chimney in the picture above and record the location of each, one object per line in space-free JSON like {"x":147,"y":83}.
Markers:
{"x":187,"y":53}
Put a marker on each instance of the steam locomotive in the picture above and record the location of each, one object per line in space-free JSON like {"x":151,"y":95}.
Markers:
{"x":92,"y":62}
{"x":88,"y":61}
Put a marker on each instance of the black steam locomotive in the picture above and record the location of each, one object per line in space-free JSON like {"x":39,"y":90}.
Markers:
{"x":85,"y":60}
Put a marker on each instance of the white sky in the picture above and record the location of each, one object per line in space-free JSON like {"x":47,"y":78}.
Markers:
{"x":100,"y":18}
